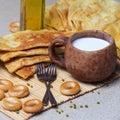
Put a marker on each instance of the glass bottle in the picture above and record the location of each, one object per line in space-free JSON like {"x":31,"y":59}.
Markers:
{"x":32,"y":14}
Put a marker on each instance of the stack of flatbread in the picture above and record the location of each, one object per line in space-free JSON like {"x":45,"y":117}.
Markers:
{"x":78,"y":15}
{"x":21,"y":51}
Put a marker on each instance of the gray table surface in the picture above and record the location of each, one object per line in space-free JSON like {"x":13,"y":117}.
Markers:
{"x":108,"y":96}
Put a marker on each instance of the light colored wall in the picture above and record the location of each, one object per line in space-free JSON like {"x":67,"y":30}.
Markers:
{"x":49,"y":2}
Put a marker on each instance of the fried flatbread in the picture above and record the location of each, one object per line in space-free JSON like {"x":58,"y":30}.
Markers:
{"x":24,"y":40}
{"x":78,"y":15}
{"x":6,"y":56}
{"x":56,"y":16}
{"x":57,"y":24}
{"x":16,"y":64}
{"x":62,"y":9}
{"x":104,"y":22}
{"x":26,"y":72}
{"x":114,"y":31}
{"x":118,"y":53}
{"x":36,"y":51}
{"x":80,"y":12}
{"x":104,"y":12}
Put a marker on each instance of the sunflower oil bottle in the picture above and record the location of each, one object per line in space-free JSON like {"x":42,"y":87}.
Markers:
{"x":32,"y":14}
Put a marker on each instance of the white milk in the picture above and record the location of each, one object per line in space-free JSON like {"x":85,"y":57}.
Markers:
{"x":90,"y":44}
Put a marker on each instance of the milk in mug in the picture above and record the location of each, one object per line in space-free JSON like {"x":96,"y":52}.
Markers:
{"x":90,"y":44}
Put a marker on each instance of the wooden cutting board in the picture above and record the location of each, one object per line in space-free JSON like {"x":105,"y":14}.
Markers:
{"x":37,"y":89}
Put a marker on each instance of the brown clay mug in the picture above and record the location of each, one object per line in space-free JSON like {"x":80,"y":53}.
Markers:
{"x":86,"y":65}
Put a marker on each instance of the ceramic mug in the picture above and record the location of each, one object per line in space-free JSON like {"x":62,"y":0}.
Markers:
{"x":85,"y":64}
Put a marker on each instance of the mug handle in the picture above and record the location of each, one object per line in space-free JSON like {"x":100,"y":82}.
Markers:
{"x":52,"y":54}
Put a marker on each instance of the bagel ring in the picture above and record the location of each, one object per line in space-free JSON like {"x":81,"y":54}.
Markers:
{"x":2,"y":94}
{"x":11,"y":103}
{"x":32,"y":106}
{"x":14,"y":26}
{"x":5,"y":84}
{"x":18,"y":91}
{"x":69,"y":88}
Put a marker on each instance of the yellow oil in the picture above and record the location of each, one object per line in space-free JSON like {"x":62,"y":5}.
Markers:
{"x":32,"y":14}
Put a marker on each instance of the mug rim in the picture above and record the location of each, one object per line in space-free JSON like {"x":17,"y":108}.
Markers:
{"x":87,"y":34}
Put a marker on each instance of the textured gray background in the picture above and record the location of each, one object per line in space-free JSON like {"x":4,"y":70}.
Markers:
{"x":109,"y":97}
